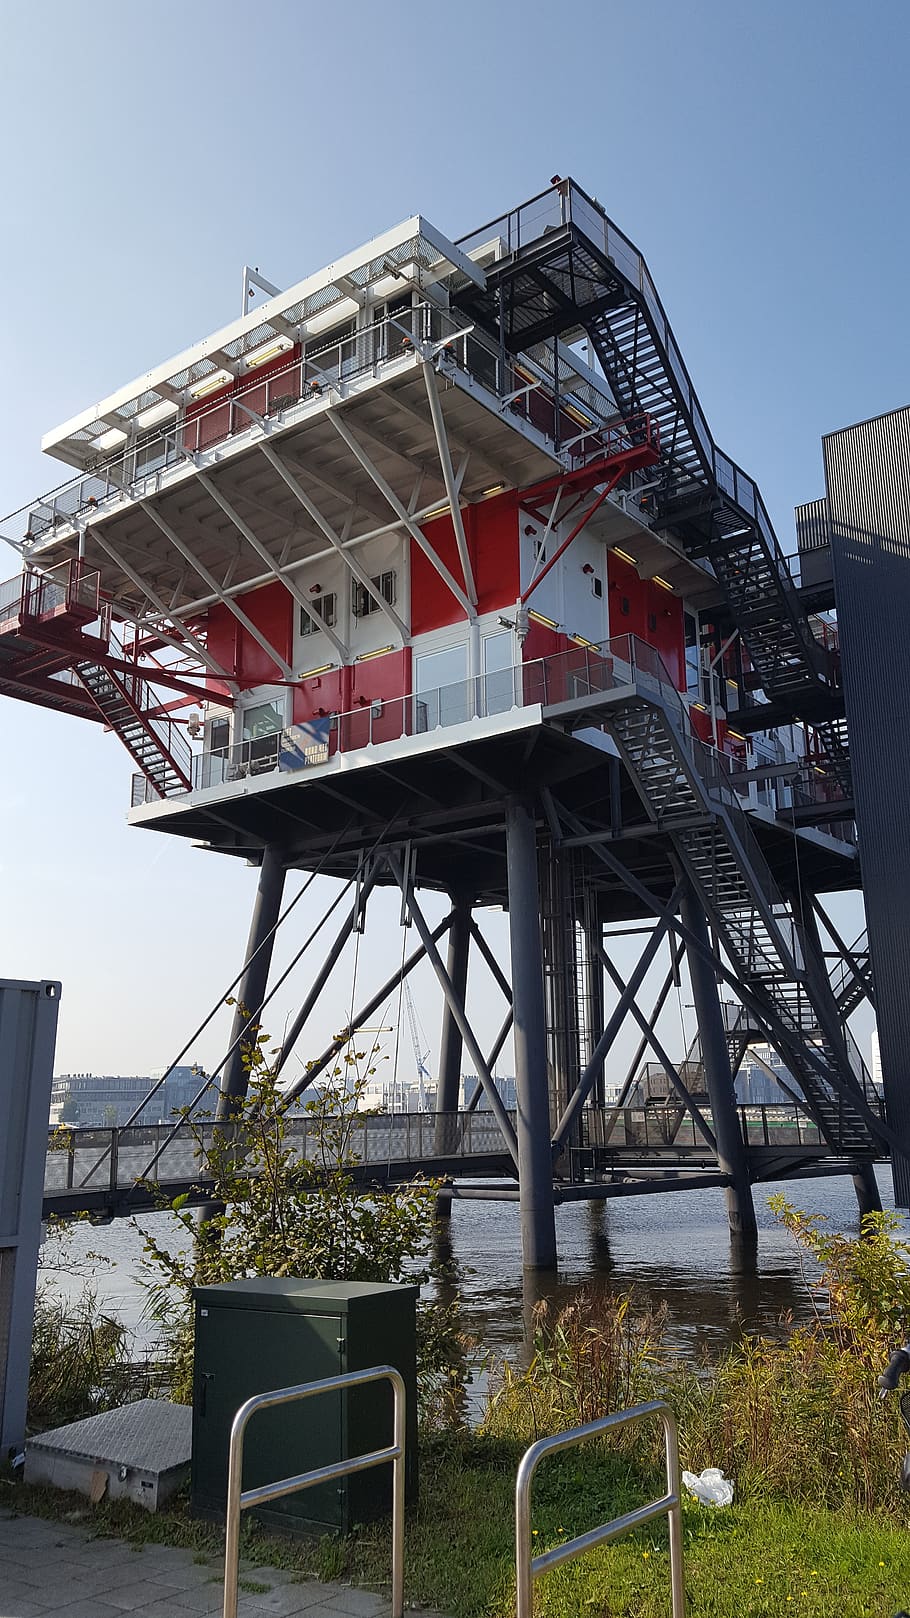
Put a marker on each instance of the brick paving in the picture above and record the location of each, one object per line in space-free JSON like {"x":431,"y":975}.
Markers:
{"x":57,"y":1570}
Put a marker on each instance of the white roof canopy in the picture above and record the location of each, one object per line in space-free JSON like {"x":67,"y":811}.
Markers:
{"x":411,"y":253}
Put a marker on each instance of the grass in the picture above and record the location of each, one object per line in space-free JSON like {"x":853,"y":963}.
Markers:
{"x":759,"y":1557}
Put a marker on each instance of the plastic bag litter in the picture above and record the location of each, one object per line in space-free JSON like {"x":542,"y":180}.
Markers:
{"x":709,"y":1486}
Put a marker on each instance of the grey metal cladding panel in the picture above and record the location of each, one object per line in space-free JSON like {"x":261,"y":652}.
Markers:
{"x":867,"y":469}
{"x":813,"y":526}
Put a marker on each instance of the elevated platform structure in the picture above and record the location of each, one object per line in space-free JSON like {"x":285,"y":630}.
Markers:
{"x":465,"y":597}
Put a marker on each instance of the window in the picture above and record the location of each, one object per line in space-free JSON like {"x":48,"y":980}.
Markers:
{"x":325,"y":606}
{"x":693,"y":656}
{"x":363,"y":604}
{"x":392,"y":340}
{"x":597,"y":586}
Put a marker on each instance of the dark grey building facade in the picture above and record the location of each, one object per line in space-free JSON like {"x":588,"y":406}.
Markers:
{"x":867,"y":474}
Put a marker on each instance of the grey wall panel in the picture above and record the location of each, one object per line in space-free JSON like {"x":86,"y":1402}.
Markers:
{"x":28,"y":1031}
{"x":867,"y":470}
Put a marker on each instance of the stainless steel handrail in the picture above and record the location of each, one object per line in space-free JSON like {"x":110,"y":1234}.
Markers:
{"x":238,"y":1500}
{"x":528,"y":1568}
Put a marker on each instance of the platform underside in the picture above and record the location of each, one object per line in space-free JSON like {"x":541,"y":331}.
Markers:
{"x":448,"y":800}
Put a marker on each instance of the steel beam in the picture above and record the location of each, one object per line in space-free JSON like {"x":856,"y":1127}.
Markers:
{"x":535,"y":1157}
{"x":325,"y":971}
{"x":732,"y":1154}
{"x":660,"y":1052}
{"x":336,"y":542}
{"x":451,"y":1042}
{"x":416,"y":533}
{"x":372,"y":1005}
{"x":209,"y":578}
{"x":448,"y":475}
{"x":293,"y":589}
{"x":626,"y":1001}
{"x":457,"y":1008}
{"x":252,"y":988}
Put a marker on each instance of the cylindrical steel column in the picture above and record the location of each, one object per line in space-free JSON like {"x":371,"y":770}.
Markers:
{"x":535,"y":1159}
{"x":253,"y":984}
{"x":731,"y":1151}
{"x":450,"y":1042}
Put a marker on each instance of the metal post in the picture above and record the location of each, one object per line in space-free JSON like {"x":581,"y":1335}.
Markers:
{"x":535,"y":1159}
{"x":732,"y":1155}
{"x":325,"y":971}
{"x":252,"y":987}
{"x":451,"y":1043}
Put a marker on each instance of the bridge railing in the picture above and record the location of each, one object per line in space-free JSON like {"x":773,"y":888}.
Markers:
{"x":670,"y":1125}
{"x":113,"y":1159}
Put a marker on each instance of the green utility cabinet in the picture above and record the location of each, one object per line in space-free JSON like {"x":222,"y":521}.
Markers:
{"x":266,"y":1333}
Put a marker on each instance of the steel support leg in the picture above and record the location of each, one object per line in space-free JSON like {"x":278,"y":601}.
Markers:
{"x":535,"y":1158}
{"x":451,"y":1042}
{"x":253,"y":984}
{"x":732,"y":1157}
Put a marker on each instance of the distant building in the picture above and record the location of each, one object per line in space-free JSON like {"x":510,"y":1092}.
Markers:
{"x":877,"y":1079}
{"x":108,"y":1100}
{"x":470,"y":1083}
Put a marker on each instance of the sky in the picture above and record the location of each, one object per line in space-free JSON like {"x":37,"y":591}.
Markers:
{"x":756,"y":153}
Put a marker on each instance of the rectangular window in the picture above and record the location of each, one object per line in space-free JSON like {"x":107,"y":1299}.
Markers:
{"x":363,"y":603}
{"x":325,"y":606}
{"x":693,"y":655}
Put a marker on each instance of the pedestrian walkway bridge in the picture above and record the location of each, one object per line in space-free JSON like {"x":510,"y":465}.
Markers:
{"x":114,"y":1173}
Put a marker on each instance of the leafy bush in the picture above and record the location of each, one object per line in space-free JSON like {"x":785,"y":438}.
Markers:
{"x":80,"y":1362}
{"x":597,"y":1354}
{"x":801,"y":1418}
{"x":797,"y":1418}
{"x":279,"y":1213}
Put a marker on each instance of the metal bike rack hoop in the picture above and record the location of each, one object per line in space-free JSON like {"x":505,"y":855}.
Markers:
{"x":528,"y":1568}
{"x":239,"y":1500}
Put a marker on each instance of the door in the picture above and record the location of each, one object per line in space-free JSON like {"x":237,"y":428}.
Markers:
{"x":241,"y":1352}
{"x":441,"y":684}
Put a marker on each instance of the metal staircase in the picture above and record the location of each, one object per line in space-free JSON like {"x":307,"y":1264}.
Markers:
{"x":156,"y":745}
{"x":682,"y":786}
{"x":849,"y":987}
{"x":566,"y":268}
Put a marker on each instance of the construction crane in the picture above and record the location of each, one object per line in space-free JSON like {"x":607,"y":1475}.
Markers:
{"x":418,"y":1038}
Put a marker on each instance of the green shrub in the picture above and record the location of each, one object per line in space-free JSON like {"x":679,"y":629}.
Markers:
{"x":281,"y":1214}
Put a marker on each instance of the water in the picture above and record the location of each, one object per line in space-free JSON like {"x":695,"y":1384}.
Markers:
{"x":671,"y":1249}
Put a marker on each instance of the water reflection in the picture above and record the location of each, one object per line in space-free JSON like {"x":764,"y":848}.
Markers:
{"x":670,"y":1250}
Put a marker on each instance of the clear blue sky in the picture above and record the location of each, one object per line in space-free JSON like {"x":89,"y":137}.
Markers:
{"x":757,"y":153}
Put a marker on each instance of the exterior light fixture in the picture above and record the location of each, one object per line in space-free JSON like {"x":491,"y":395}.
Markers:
{"x":580,"y":640}
{"x":495,"y":488}
{"x":624,"y":556}
{"x":664,"y":584}
{"x":310,"y":674}
{"x":380,"y":651}
{"x":735,"y":735}
{"x":259,"y":356}
{"x":438,"y":511}
{"x":541,"y":618}
{"x":211,"y":383}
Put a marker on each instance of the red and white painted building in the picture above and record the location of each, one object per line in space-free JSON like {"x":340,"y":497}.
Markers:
{"x":348,"y":520}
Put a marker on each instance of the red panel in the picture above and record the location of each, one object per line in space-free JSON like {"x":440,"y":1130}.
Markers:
{"x":270,"y":609}
{"x":351,"y":691}
{"x":491,"y":528}
{"x":669,"y":636}
{"x":324,"y":694}
{"x":212,"y":418}
{"x":221,"y":632}
{"x":628,"y":597}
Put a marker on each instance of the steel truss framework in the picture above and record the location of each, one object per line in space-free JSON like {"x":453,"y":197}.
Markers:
{"x":558,"y":1145}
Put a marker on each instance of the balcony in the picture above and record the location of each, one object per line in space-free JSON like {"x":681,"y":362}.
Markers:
{"x":563,"y":408}
{"x":557,"y":686}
